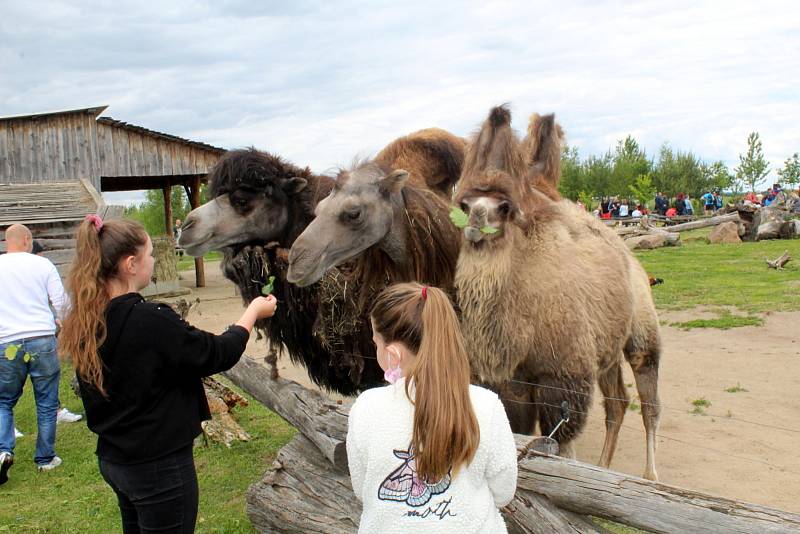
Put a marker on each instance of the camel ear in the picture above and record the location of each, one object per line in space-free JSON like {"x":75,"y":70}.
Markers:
{"x":394,"y":182}
{"x":542,"y":146}
{"x":294,"y":185}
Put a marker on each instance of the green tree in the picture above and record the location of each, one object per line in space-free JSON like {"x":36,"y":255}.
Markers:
{"x":678,"y":172}
{"x":630,"y":162}
{"x":790,"y":173}
{"x":753,"y":166}
{"x":643,"y":189}
{"x":717,"y":176}
{"x":151,"y":212}
{"x":572,"y":176}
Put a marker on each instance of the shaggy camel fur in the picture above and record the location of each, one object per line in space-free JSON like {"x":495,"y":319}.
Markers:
{"x":553,"y":297}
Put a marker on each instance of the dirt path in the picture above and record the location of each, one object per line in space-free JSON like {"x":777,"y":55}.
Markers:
{"x":717,"y":453}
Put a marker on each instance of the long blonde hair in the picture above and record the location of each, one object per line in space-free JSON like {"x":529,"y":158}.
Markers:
{"x":446,"y":433}
{"x":97,"y":255}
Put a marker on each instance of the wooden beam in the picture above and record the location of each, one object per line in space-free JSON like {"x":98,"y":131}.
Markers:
{"x":199,"y":267}
{"x":167,"y":191}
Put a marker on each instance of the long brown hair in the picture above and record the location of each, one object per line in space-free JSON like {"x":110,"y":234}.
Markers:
{"x":446,"y":432}
{"x":97,"y":255}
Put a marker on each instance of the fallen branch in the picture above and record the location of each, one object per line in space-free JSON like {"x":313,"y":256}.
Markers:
{"x":778,"y":263}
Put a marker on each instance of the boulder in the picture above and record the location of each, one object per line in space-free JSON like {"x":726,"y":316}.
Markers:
{"x":725,"y":233}
{"x":646,"y":242}
{"x":770,"y":222}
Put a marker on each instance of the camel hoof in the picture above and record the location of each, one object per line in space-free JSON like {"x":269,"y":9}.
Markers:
{"x":651,"y":475}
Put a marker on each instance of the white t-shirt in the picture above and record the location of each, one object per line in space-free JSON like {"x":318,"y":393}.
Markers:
{"x":29,"y":284}
{"x":623,"y":210}
{"x":383,"y":473}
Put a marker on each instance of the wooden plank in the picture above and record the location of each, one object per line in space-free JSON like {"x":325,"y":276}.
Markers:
{"x":186,"y":159}
{"x":137,"y":154}
{"x":165,"y":156}
{"x":152,"y":162}
{"x":5,"y":163}
{"x":94,"y":153}
{"x":80,"y":165}
{"x":122,"y":152}
{"x":105,"y":150}
{"x":15,"y":152}
{"x":58,"y":157}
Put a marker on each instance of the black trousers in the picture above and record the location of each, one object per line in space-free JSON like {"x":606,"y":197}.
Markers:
{"x":156,"y":496}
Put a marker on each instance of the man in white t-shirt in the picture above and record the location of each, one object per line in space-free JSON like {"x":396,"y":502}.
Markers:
{"x":29,"y":285}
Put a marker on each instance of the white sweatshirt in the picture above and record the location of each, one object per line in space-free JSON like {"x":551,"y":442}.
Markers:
{"x":383,"y":473}
{"x":28,"y":285}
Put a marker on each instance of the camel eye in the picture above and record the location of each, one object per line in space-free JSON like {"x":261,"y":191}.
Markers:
{"x":504,"y":208}
{"x":352,"y":215}
{"x":464,"y":207}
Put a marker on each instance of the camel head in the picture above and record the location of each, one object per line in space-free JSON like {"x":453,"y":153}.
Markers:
{"x":251,"y":193}
{"x":507,"y":182}
{"x":490,"y":191}
{"x":357,"y":214}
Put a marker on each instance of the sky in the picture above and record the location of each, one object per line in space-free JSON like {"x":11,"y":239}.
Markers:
{"x":322,"y":82}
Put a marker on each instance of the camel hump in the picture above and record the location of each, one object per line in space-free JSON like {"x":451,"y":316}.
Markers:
{"x":542,"y":147}
{"x":433,"y":157}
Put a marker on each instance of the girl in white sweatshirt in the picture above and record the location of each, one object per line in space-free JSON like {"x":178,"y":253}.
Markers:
{"x":430,"y":452}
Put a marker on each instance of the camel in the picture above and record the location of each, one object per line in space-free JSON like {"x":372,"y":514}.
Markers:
{"x":551,"y":300}
{"x":393,"y":231}
{"x":260,"y":205}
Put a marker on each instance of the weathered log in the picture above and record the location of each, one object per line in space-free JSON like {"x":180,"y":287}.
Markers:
{"x":321,"y":420}
{"x":702,"y":223}
{"x":779,"y":262}
{"x":652,"y":506}
{"x":302,"y":494}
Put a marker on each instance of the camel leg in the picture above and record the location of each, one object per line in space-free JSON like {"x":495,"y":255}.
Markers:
{"x":645,"y":371}
{"x":615,"y":403}
{"x":577,"y":391}
{"x":518,"y":401}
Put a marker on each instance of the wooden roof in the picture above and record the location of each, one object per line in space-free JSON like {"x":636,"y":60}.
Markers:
{"x":50,"y":203}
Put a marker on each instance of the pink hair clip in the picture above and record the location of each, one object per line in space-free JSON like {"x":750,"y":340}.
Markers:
{"x":424,"y":292}
{"x":96,"y":221}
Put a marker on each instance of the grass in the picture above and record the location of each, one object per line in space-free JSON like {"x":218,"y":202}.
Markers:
{"x":186,"y":262}
{"x":725,"y":321}
{"x":735,"y":389}
{"x":700,"y":405}
{"x":74,"y":497}
{"x":699,"y":274}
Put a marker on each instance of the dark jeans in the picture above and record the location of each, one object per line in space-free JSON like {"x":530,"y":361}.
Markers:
{"x":156,"y":496}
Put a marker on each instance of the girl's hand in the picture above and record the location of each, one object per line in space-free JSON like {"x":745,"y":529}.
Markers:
{"x":263,"y":307}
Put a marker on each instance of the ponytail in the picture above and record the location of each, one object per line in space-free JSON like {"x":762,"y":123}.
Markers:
{"x":99,"y":247}
{"x":445,"y":432}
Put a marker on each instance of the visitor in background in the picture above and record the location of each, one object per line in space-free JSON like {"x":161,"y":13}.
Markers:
{"x":689,"y":208}
{"x":623,"y":209}
{"x":29,"y":285}
{"x":661,"y":203}
{"x":708,"y":202}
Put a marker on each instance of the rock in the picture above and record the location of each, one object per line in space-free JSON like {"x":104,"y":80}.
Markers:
{"x":646,"y":242}
{"x":725,"y":233}
{"x":770,"y":223}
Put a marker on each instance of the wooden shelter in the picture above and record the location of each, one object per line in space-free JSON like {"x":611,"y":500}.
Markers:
{"x":46,"y":150}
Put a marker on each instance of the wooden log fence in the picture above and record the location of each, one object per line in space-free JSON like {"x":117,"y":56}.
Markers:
{"x":308,"y":489}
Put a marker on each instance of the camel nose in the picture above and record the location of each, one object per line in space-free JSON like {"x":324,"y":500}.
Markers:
{"x":188,"y":223}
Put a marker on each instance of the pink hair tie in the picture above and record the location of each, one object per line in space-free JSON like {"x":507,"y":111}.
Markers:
{"x":424,"y":292}
{"x":96,"y":221}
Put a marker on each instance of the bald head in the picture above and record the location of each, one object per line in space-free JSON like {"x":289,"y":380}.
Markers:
{"x":18,"y":238}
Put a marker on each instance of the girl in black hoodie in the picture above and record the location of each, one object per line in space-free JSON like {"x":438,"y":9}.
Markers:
{"x":140,"y":366}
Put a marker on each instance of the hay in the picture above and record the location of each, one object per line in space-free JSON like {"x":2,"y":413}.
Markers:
{"x":166,"y":266}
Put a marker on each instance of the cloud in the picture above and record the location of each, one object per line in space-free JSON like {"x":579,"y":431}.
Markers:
{"x":319,"y":82}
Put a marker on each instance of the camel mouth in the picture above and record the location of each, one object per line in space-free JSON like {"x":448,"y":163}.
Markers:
{"x":305,"y":270}
{"x":473,"y":234}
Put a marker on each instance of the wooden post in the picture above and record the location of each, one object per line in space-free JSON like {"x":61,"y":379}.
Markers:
{"x":199,"y":268}
{"x":167,"y":190}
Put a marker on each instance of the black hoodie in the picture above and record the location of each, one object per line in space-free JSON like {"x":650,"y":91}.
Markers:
{"x":152,"y":365}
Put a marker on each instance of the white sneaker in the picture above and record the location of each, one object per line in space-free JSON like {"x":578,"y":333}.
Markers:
{"x":18,"y":434}
{"x":52,"y":464}
{"x":66,"y":416}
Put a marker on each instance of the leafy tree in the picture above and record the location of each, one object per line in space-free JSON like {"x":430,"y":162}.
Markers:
{"x":572,"y":176}
{"x":753,"y":166}
{"x":717,"y":176}
{"x":643,"y":189}
{"x":151,"y":212}
{"x":790,"y":174}
{"x":630,"y":162}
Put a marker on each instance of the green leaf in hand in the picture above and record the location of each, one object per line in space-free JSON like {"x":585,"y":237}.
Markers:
{"x":26,"y":358}
{"x":268,"y":287}
{"x":459,"y":218}
{"x":11,"y":352}
{"x":489,"y":229}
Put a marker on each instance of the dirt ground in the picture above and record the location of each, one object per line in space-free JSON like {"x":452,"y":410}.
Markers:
{"x":722,"y":453}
